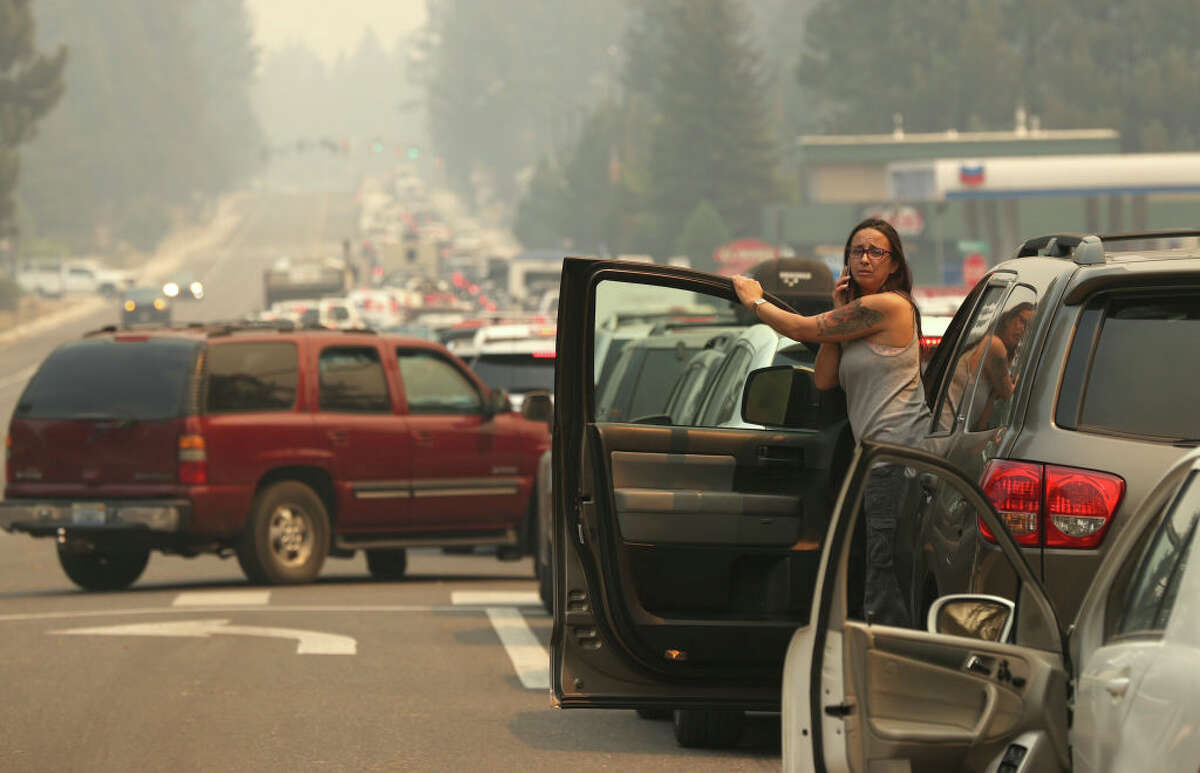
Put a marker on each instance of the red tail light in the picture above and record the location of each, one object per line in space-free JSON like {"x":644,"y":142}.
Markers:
{"x":1080,"y":505}
{"x":1015,"y":489}
{"x":1059,"y":507}
{"x":930,"y":342}
{"x":193,"y":460}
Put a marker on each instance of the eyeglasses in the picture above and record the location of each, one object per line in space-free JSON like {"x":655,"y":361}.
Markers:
{"x":872,"y":252}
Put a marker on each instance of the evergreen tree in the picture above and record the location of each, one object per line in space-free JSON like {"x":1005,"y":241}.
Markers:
{"x":711,"y":138}
{"x":702,"y":234}
{"x":590,"y":177}
{"x":30,"y":84}
{"x":541,"y":215}
{"x":534,"y":67}
{"x":154,"y":118}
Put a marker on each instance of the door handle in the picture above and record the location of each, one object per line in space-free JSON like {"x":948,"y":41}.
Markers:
{"x":422,"y":438}
{"x":338,"y":436}
{"x":780,"y":455}
{"x":1117,"y":687}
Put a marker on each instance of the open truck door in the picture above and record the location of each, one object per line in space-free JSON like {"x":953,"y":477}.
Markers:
{"x":684,"y":556}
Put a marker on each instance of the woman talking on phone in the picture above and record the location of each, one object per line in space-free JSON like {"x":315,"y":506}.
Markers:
{"x":870,"y":346}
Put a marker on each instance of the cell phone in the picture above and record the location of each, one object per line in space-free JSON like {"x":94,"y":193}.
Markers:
{"x":852,"y":285}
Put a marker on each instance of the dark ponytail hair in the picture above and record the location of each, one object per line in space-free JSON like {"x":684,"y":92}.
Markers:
{"x":900,"y":280}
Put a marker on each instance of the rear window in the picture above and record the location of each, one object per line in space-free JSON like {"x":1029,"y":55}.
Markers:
{"x":515,"y":372}
{"x":104,"y":378}
{"x":1145,"y":367}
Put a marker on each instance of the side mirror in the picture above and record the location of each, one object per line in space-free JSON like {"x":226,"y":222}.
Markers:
{"x":538,"y":406}
{"x":781,"y":396}
{"x":497,"y":401}
{"x":973,"y":615}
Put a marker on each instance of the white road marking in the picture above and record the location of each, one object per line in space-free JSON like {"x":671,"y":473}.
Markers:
{"x":222,"y":598}
{"x":529,"y":658}
{"x":18,"y":378}
{"x":308,"y":642}
{"x":26,"y":616}
{"x":496,"y":598}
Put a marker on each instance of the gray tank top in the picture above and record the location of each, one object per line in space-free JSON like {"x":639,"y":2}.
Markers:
{"x":884,"y":395}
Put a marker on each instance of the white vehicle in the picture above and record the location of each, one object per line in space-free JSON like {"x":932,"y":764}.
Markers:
{"x":996,"y":683}
{"x":331,"y":313}
{"x":379,"y":308}
{"x":516,"y":358}
{"x":53,"y":277}
{"x":530,"y":276}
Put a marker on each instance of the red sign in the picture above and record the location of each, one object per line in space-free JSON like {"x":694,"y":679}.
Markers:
{"x":974,"y":267}
{"x":740,"y":256}
{"x":908,"y":221}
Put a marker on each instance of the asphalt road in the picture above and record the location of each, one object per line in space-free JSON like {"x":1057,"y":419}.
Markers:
{"x":193,"y":669}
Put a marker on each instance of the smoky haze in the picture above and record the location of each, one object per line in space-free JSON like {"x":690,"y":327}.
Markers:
{"x":605,"y":125}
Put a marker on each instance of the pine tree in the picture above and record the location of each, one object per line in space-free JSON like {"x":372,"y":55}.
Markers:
{"x":702,"y":234}
{"x":711,"y":138}
{"x":30,"y":84}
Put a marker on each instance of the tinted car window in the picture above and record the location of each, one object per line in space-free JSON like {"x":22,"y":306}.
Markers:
{"x":352,"y":381}
{"x":251,"y":376}
{"x":1002,"y":357}
{"x":1160,"y":569}
{"x":967,"y":360}
{"x":723,"y":404}
{"x":1120,"y":368}
{"x":434,"y":385}
{"x":102,"y":378}
{"x":515,"y":372}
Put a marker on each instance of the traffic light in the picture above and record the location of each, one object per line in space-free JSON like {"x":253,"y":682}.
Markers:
{"x":414,"y":152}
{"x":376,"y":147}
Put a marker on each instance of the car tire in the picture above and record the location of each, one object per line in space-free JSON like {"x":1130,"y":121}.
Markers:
{"x":287,"y":537}
{"x":387,"y":564}
{"x":708,"y":729}
{"x":105,"y":568}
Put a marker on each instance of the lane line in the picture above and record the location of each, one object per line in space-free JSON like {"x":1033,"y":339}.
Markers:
{"x":529,"y":658}
{"x":496,"y":598}
{"x":219,"y":598}
{"x":141,"y":611}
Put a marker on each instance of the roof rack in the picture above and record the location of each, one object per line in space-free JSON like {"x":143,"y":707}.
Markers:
{"x":1088,"y":249}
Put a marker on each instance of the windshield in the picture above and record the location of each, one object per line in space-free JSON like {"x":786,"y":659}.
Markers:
{"x":515,"y":372}
{"x":107,"y":379}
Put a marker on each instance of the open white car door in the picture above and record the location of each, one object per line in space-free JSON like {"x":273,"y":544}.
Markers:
{"x":974,"y":683}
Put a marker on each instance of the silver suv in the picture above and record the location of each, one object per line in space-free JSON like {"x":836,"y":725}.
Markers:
{"x":685,"y":555}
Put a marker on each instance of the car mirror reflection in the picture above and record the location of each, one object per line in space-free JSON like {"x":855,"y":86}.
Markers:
{"x":974,"y":616}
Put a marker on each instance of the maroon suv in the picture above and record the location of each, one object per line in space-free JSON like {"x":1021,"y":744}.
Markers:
{"x":278,"y":446}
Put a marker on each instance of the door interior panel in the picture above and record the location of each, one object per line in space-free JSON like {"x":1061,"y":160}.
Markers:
{"x":941,"y":705}
{"x":717,"y":534}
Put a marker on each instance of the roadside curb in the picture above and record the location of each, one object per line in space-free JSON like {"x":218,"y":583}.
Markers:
{"x":159,"y":266}
{"x":85,"y":307}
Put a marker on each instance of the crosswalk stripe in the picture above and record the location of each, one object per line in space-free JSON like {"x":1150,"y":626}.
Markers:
{"x":236,"y":598}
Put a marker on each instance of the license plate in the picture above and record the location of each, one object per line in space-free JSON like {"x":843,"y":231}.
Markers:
{"x":88,"y":513}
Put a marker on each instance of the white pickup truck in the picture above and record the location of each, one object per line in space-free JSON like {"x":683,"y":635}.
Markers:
{"x":55,"y":276}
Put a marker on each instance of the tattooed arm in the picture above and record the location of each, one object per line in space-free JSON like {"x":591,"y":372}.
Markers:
{"x":864,"y":317}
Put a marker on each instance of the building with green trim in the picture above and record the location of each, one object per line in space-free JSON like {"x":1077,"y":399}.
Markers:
{"x":844,"y":178}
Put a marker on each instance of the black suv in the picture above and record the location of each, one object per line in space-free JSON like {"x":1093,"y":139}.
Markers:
{"x":685,"y":556}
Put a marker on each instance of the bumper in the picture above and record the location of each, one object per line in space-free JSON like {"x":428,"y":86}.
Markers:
{"x":45,"y":517}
